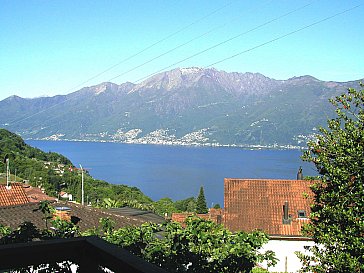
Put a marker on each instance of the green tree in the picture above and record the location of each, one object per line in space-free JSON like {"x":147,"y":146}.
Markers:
{"x":4,"y":230}
{"x":164,"y":205}
{"x":188,"y":204}
{"x":337,"y":218}
{"x":201,"y":206}
{"x":62,"y":229}
{"x":202,"y":246}
{"x":47,"y":210}
{"x":191,"y":206}
{"x":26,"y":232}
{"x":110,"y":203}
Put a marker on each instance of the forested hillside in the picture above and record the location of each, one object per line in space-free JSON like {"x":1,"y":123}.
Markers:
{"x":52,"y":171}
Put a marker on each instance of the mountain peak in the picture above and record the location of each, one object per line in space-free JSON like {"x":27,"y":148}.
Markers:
{"x":210,"y":78}
{"x":191,"y":70}
{"x":171,"y":79}
{"x":14,"y":98}
{"x":304,"y":78}
{"x":101,"y":88}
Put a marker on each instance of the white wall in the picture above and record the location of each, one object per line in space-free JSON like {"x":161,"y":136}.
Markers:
{"x":285,"y":252}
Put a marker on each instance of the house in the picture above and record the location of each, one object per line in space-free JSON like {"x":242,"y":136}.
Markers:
{"x":12,"y":195}
{"x":66,"y":195}
{"x":22,"y":193}
{"x":19,"y":203}
{"x":89,"y":253}
{"x":36,"y":194}
{"x":278,"y":207}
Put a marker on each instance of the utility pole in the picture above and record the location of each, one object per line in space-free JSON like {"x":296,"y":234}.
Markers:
{"x":7,"y":174}
{"x":82,"y":190}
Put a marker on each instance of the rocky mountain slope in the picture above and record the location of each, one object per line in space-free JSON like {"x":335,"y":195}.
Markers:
{"x":182,"y":106}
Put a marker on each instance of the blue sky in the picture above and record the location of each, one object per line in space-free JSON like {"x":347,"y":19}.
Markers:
{"x":54,"y":47}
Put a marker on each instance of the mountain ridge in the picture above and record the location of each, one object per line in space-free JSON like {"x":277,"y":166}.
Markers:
{"x":183,"y":106}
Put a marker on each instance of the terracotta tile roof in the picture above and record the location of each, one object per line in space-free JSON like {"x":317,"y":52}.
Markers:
{"x":36,"y":195}
{"x":15,"y":195}
{"x":258,"y":204}
{"x":87,"y":217}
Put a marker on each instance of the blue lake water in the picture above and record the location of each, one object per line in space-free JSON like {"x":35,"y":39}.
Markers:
{"x":177,"y":171}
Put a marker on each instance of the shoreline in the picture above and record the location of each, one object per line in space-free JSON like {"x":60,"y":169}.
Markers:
{"x":202,"y":145}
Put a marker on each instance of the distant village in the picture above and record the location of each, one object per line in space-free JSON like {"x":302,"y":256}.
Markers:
{"x":164,"y":137}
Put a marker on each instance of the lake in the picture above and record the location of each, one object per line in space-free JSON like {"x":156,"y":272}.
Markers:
{"x":177,"y":171}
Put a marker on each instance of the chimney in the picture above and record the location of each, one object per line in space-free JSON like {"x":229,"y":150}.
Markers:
{"x":299,"y":174}
{"x":286,"y":218}
{"x":63,"y":213}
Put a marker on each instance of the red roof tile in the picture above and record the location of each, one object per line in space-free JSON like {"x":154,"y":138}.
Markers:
{"x":36,"y":195}
{"x":15,"y":195}
{"x":258,"y":204}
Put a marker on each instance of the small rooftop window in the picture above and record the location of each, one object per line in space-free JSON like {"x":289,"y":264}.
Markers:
{"x":302,"y":214}
{"x":63,"y":208}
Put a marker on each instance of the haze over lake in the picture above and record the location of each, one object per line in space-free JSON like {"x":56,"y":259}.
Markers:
{"x":177,"y":171}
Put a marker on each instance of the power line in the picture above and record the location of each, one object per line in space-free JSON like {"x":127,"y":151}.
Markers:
{"x":154,"y":44}
{"x":179,"y":46}
{"x":283,"y":36}
{"x":225,"y":41}
{"x":230,"y":57}
{"x":126,"y":59}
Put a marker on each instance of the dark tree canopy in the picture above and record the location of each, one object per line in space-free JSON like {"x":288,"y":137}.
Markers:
{"x":201,"y":206}
{"x":201,"y":246}
{"x":337,"y":218}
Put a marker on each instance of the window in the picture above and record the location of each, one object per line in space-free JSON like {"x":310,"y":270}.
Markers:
{"x":302,"y":214}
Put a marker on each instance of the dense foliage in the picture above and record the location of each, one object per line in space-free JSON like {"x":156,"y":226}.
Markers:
{"x":28,"y":162}
{"x":201,"y":246}
{"x":164,"y":206}
{"x":188,"y":204}
{"x":191,"y":204}
{"x":337,"y":218}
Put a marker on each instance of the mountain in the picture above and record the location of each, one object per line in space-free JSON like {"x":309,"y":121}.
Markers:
{"x":181,"y":106}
